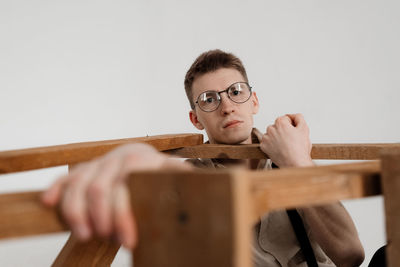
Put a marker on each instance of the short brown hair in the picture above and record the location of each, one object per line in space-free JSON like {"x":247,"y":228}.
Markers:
{"x":208,"y":62}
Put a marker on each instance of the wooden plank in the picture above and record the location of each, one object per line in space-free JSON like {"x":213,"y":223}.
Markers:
{"x":391,"y":192}
{"x":215,"y":151}
{"x":319,"y":151}
{"x":242,"y":223}
{"x":189,"y":219}
{"x":22,"y":214}
{"x":296,"y":187}
{"x":352,"y":151}
{"x":96,"y":252}
{"x":43,"y":157}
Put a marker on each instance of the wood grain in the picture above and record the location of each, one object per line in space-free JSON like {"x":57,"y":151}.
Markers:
{"x":22,"y":214}
{"x":189,"y":220}
{"x":352,"y":151}
{"x":296,"y":187}
{"x":215,"y":151}
{"x":242,"y":223}
{"x":43,"y":157}
{"x":319,"y":151}
{"x":391,"y":192}
{"x":96,"y":252}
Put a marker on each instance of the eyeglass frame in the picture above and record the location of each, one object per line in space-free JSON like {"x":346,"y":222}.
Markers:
{"x":220,"y":98}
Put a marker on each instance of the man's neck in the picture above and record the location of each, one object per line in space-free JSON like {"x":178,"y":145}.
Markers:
{"x":244,"y":163}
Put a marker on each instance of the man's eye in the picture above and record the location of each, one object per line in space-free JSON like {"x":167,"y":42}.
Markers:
{"x":209,"y":100}
{"x":236,"y":92}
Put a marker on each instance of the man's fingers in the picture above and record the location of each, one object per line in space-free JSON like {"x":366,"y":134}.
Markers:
{"x":124,"y":221}
{"x":297,"y":119}
{"x":99,"y":196}
{"x":174,"y":164}
{"x":86,"y":194}
{"x":73,"y":204}
{"x":74,"y":211}
{"x":270,"y":130}
{"x":53,"y":194}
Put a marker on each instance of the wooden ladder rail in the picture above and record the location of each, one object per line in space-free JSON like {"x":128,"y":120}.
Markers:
{"x":318,"y":152}
{"x":51,"y":156}
{"x":232,"y":191}
{"x":17,"y":158}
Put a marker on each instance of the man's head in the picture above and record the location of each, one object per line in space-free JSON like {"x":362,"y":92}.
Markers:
{"x":232,"y":120}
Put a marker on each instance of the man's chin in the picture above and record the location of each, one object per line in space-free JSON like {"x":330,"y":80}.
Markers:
{"x":234,"y":140}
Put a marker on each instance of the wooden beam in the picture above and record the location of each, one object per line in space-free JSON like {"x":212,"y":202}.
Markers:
{"x":22,"y":214}
{"x":391,"y":192}
{"x":352,"y":151}
{"x":296,"y":187}
{"x":319,"y":151}
{"x":95,"y":252}
{"x":191,"y":219}
{"x":215,"y":151}
{"x":43,"y":157}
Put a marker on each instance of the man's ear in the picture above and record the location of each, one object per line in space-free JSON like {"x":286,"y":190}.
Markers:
{"x":254,"y":101}
{"x":195,"y":121}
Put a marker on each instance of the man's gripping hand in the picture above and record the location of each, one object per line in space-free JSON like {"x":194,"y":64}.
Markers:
{"x":94,"y":199}
{"x":287,"y":142}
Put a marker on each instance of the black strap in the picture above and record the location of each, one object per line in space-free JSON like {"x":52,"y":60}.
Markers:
{"x":379,"y":258}
{"x":300,"y":231}
{"x":302,"y":237}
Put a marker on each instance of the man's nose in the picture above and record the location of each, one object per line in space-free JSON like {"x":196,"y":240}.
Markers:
{"x":227,"y":106}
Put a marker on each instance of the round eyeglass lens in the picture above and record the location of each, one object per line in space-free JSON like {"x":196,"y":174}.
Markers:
{"x":239,"y":92}
{"x":209,"y":101}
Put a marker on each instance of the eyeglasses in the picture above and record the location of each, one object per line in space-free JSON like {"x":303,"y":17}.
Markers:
{"x":238,"y":92}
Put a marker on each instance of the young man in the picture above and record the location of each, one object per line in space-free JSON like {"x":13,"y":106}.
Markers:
{"x":94,"y":199}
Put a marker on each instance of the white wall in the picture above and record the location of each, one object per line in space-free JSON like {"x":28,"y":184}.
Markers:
{"x":74,"y":71}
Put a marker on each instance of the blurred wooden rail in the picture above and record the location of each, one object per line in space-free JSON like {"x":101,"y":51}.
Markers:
{"x":271,"y":190}
{"x":51,"y":156}
{"x":167,"y":202}
{"x":182,"y":145}
{"x":319,"y":151}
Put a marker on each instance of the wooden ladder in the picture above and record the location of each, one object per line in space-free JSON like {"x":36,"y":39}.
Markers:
{"x":204,"y":217}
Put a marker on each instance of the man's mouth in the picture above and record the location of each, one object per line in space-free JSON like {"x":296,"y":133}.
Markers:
{"x":233,"y":123}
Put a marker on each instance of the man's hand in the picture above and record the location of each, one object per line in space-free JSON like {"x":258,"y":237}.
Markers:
{"x":93,"y":197}
{"x":287,"y":142}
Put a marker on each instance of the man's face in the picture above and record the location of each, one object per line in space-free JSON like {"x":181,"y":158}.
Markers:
{"x":230,"y":123}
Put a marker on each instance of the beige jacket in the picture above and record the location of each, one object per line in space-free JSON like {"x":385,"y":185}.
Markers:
{"x":274,"y":243}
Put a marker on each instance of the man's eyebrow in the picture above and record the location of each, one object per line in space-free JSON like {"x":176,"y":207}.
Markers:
{"x":229,"y":86}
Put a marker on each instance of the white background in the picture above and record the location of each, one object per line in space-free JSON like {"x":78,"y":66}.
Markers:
{"x":73,"y":71}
